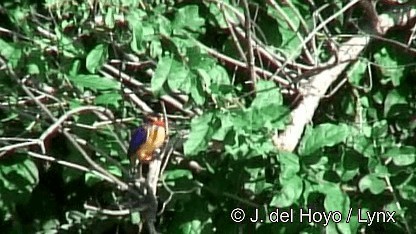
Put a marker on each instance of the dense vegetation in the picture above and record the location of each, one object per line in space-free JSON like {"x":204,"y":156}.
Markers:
{"x":237,"y":80}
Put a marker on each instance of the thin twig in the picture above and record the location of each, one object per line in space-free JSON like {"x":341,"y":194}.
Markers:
{"x":302,"y":20}
{"x":107,"y":211}
{"x":250,"y":54}
{"x":318,"y":84}
{"x":58,"y":122}
{"x":141,"y":104}
{"x":126,"y":78}
{"x":19,"y":145}
{"x":233,"y":36}
{"x":316,"y":30}
{"x":294,"y":29}
{"x":237,"y":63}
{"x":70,"y":164}
{"x":277,"y":59}
{"x":333,"y":91}
{"x":23,"y":102}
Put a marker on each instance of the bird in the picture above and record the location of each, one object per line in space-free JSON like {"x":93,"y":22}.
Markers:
{"x":146,"y":139}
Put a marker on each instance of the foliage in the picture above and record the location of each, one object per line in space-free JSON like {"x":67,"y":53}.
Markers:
{"x":358,"y":152}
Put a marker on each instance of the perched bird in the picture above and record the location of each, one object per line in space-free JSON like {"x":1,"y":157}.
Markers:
{"x":146,"y":140}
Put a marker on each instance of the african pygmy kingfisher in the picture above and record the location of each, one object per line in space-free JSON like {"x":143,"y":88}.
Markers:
{"x":146,"y":139}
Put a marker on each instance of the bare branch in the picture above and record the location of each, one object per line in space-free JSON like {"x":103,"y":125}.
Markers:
{"x":260,"y":71}
{"x":314,"y":90}
{"x":317,"y":85}
{"x":250,"y":54}
{"x":71,"y":165}
{"x":292,"y":26}
{"x":54,"y":127}
{"x":107,"y":211}
{"x":125,"y":78}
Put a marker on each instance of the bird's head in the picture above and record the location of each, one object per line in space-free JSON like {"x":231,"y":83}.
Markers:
{"x":157,"y":120}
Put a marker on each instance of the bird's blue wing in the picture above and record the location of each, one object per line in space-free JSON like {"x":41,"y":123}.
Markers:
{"x":137,"y":139}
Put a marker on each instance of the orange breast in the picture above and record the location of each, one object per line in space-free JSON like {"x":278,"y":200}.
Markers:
{"x":155,"y":138}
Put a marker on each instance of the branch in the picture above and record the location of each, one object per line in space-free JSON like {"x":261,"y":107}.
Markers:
{"x":317,"y":85}
{"x":58,"y":122}
{"x":107,"y":211}
{"x":250,"y":54}
{"x":229,"y":60}
{"x":294,"y":29}
{"x":69,"y":164}
{"x":126,"y":78}
{"x":316,"y":30}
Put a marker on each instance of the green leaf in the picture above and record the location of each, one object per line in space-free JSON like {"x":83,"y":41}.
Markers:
{"x":50,"y":226}
{"x":263,"y":146}
{"x":217,"y":82}
{"x":164,"y":26}
{"x":199,"y":59}
{"x":94,"y":82}
{"x":381,"y":170}
{"x":290,"y":41}
{"x":364,"y":146}
{"x":291,"y":191}
{"x":373,"y":183}
{"x":289,"y":164}
{"x":22,"y":176}
{"x":336,"y":200}
{"x":109,"y":17}
{"x":116,"y":171}
{"x":394,"y":206}
{"x":218,"y":14}
{"x":135,"y":23}
{"x":96,"y":58}
{"x":378,"y":97}
{"x":11,"y":53}
{"x":188,"y":17}
{"x":379,"y":129}
{"x":33,"y":69}
{"x":356,"y":73}
{"x":194,"y":217}
{"x":272,"y":116}
{"x":175,"y":73}
{"x":178,"y":173}
{"x":135,"y":217}
{"x":197,"y":91}
{"x":18,"y":177}
{"x":179,"y":77}
{"x":74,"y":68}
{"x":70,"y":48}
{"x":267,"y":93}
{"x":155,"y":48}
{"x":242,"y":120}
{"x":201,"y":133}
{"x":402,"y":156}
{"x":394,"y":100}
{"x":219,"y":75}
{"x":323,"y":135}
{"x":181,"y":45}
{"x":389,"y":63}
{"x":253,"y":183}
{"x":92,"y":179}
{"x":191,"y":227}
{"x":109,"y":99}
{"x":161,"y":74}
{"x":408,"y":192}
{"x":226,"y":126}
